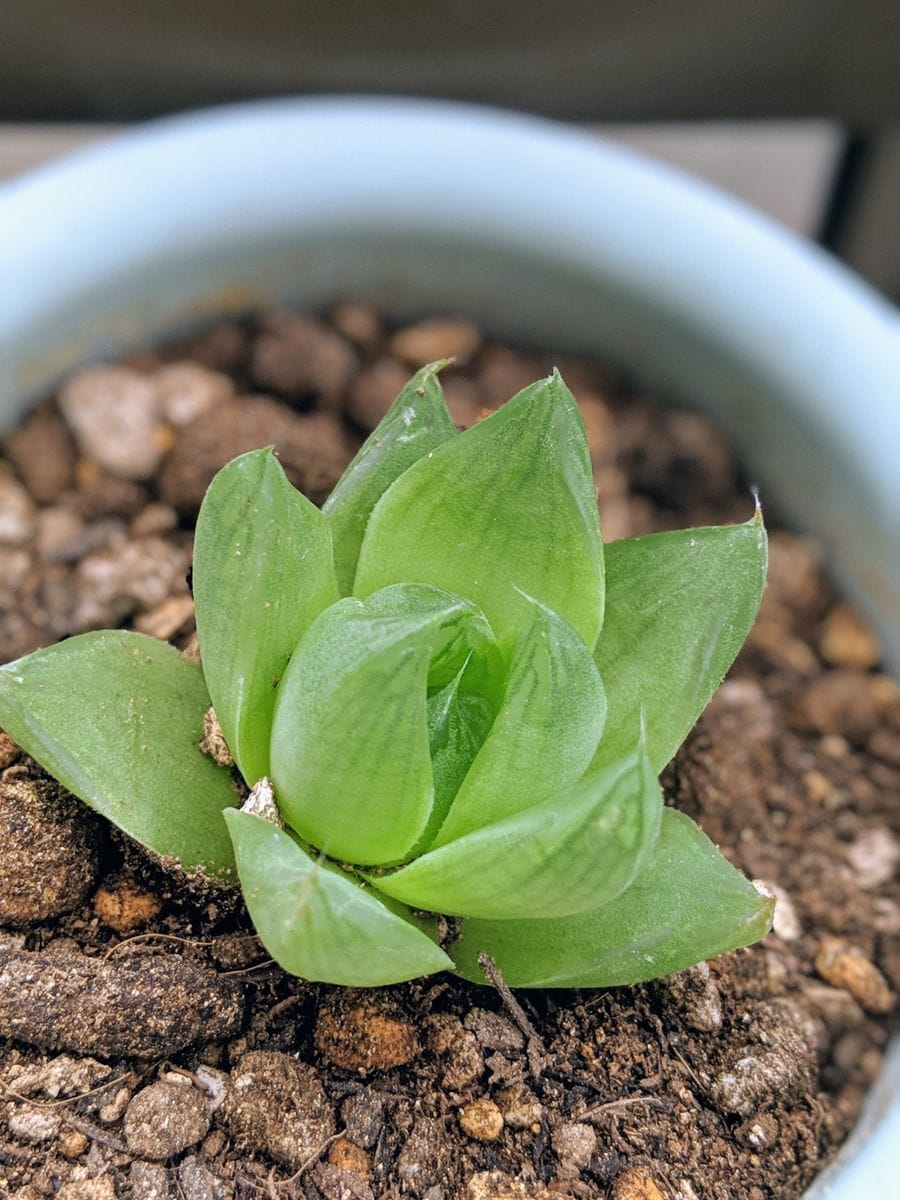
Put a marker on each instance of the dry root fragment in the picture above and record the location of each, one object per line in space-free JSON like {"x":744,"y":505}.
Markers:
{"x":261,"y":802}
{"x":213,"y":741}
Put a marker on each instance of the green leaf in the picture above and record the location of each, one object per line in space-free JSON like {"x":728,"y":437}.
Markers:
{"x":505,"y":508}
{"x":687,"y":904}
{"x":116,"y":717}
{"x":318,"y":921}
{"x":567,"y":855}
{"x":350,"y":744}
{"x":545,"y":733}
{"x":415,"y":424}
{"x":678,"y":608}
{"x":458,"y":723}
{"x":263,"y":571}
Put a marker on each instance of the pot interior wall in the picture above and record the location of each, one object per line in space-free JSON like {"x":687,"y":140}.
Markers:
{"x":810,"y":476}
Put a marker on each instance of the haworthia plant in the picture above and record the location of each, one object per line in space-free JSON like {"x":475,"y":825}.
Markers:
{"x":459,"y":700}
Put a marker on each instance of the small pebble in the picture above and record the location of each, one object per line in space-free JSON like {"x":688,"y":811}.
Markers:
{"x":171,"y":616}
{"x":374,"y":391}
{"x":212,"y":742}
{"x":845,"y":966}
{"x":124,"y":907}
{"x":358,"y":324}
{"x":364,"y":1033}
{"x":574,"y":1144}
{"x":149,"y":1181}
{"x":847,"y":641}
{"x":363,"y":1118}
{"x":276,"y":1105}
{"x":697,"y":997}
{"x":43,"y":453}
{"x":873,"y":857}
{"x":197,"y":1182}
{"x":164,"y":1119}
{"x":33,"y":1124}
{"x":187,"y":390}
{"x":347,"y":1156}
{"x":72,"y":1142}
{"x":115,"y":414}
{"x":520,"y":1107}
{"x":17,"y":512}
{"x":841,"y":702}
{"x":60,"y":1076}
{"x":434,"y":338}
{"x":113,"y":1111}
{"x":146,"y":1006}
{"x":296,"y":356}
{"x":493,"y":1031}
{"x":481,"y":1119}
{"x":423,"y":1160}
{"x":334,"y":1183}
{"x":772,"y":1070}
{"x":51,"y":847}
{"x":100,"y":1188}
{"x":636,"y":1183}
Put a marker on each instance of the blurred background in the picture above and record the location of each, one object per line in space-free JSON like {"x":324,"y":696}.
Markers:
{"x":793,"y":106}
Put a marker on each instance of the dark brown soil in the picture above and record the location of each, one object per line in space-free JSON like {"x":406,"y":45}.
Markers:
{"x":150,"y":1050}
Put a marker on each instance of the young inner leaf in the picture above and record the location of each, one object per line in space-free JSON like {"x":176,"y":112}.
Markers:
{"x":570,"y":853}
{"x":506,"y":508}
{"x":543,"y":738}
{"x":350,"y":740}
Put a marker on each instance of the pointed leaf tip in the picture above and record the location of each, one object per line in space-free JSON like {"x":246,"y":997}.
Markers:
{"x":318,"y":921}
{"x":508,"y":503}
{"x":416,"y":423}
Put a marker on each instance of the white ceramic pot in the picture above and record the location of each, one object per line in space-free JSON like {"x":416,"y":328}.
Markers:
{"x":540,"y":234}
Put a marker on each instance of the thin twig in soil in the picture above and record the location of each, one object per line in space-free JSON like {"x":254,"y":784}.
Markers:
{"x":95,"y":1134}
{"x":273,"y":1183}
{"x":249,"y":972}
{"x":147,"y":937}
{"x":535,"y":1048}
{"x":61,"y":1103}
{"x":598,"y":1110}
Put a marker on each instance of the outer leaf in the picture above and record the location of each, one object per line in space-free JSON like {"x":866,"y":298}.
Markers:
{"x":566,"y":855}
{"x":507,"y":505}
{"x":116,"y":718}
{"x":320,"y":923}
{"x":545,"y":733}
{"x":415,"y":424}
{"x":687,"y":904}
{"x":263,"y":571}
{"x":679,"y":607}
{"x":350,"y":744}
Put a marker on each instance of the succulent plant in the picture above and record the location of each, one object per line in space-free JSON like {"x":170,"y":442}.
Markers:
{"x":448,"y":698}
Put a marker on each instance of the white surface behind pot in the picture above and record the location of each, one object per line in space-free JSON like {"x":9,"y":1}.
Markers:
{"x":538,"y":233}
